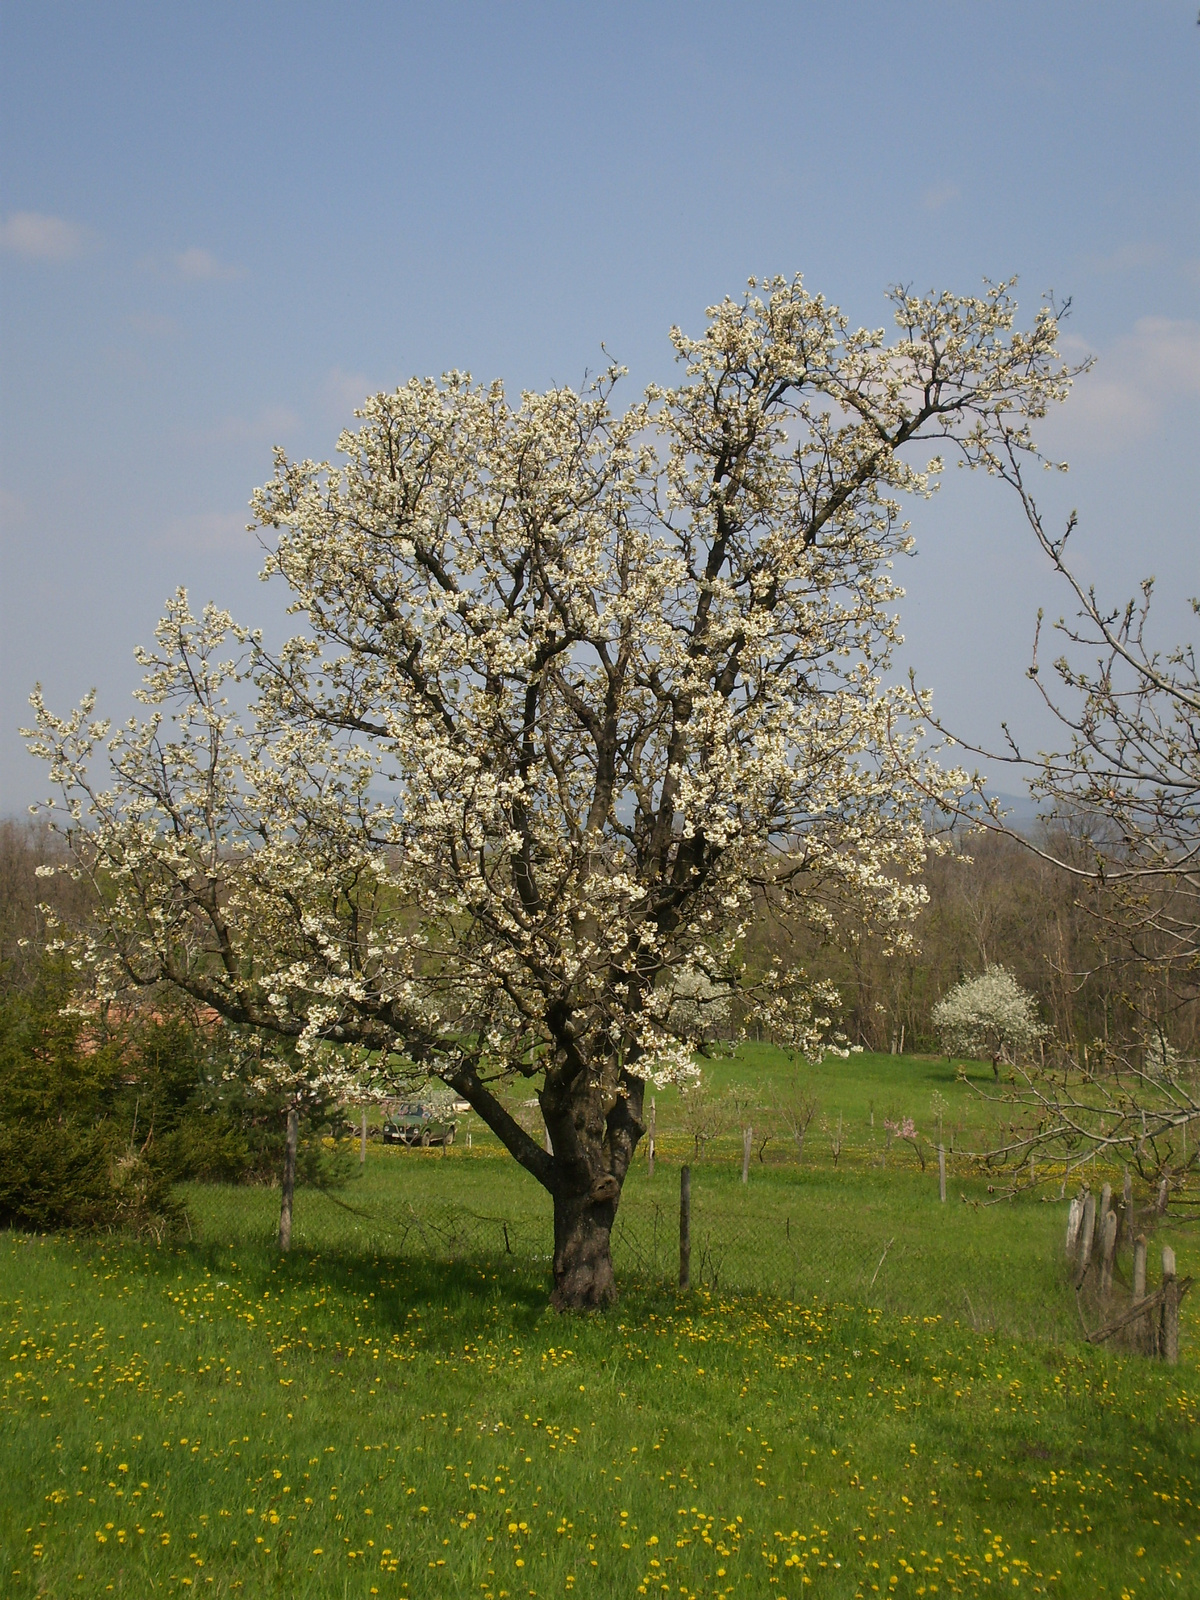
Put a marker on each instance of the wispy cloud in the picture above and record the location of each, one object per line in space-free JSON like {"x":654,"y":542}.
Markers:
{"x":201,"y":266}
{"x":208,"y":531}
{"x":192,"y":265}
{"x":1128,"y":258}
{"x":270,"y":425}
{"x":38,"y":237}
{"x":1136,"y":384}
{"x":12,"y":508}
{"x":942,"y":194}
{"x":341,"y":392}
{"x":153,"y":324}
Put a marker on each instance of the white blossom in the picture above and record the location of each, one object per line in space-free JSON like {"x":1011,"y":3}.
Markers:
{"x":988,"y":1016}
{"x":578,"y":694}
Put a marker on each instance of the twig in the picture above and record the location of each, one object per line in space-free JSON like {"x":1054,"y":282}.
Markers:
{"x":882,"y":1259}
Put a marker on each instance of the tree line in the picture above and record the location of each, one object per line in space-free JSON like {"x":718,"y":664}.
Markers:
{"x":994,"y":902}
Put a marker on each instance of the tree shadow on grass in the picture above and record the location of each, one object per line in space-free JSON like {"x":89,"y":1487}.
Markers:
{"x":399,"y":1284}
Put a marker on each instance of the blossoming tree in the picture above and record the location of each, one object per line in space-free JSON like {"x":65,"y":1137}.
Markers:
{"x":988,"y":1015}
{"x":579,"y":692}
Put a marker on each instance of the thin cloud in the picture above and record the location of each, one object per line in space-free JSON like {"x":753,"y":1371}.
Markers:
{"x":153,"y":324}
{"x":208,"y":531}
{"x":38,"y":237}
{"x":268,"y":427}
{"x":1128,"y":258}
{"x":342,"y":392}
{"x":943,"y":194}
{"x":1134,"y":386}
{"x":201,"y":266}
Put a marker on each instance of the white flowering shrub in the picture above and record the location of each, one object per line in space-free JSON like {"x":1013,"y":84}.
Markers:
{"x":1160,"y":1058}
{"x":698,"y":1008}
{"x":577,"y":692}
{"x":989,"y":1017}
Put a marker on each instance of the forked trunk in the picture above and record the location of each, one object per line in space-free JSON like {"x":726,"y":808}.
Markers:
{"x":583,"y":1269}
{"x":593,"y":1127}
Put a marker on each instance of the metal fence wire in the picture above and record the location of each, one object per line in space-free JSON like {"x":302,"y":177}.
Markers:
{"x":923,"y":1260}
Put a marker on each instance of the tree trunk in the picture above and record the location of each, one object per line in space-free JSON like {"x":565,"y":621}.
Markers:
{"x":594,"y":1124}
{"x":583,"y":1270}
{"x":289,"y":1179}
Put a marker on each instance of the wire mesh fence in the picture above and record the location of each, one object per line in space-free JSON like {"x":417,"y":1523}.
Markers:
{"x":831,"y":1235}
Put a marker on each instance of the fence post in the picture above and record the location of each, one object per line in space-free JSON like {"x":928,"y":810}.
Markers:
{"x":1169,"y":1344}
{"x":1139,"y":1267}
{"x":1087,"y":1234}
{"x":747,"y":1142}
{"x":1105,"y":1203}
{"x":1108,"y":1246}
{"x":685,"y":1227}
{"x":1074,"y":1223}
{"x":289,"y":1178}
{"x":650,"y":1139}
{"x":1164,"y":1196}
{"x":942,"y":1173}
{"x":362,"y":1144}
{"x":1127,"y":1205}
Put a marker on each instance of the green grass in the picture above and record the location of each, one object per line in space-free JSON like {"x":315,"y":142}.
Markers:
{"x":852,"y":1233}
{"x":868,"y":1228}
{"x":392,"y":1409}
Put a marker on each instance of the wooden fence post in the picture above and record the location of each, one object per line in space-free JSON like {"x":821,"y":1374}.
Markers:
{"x":650,"y":1139}
{"x":1147,"y":1333}
{"x":1169,"y":1341}
{"x":942,"y":1173}
{"x":1087,"y":1233}
{"x":747,"y":1142}
{"x":1139,"y":1267}
{"x":1108,"y":1248}
{"x":1127,"y":1206}
{"x":289,"y":1178}
{"x":1105,"y":1207}
{"x":685,"y":1227}
{"x":1074,"y":1223}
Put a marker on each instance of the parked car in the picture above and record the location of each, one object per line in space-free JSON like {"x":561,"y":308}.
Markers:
{"x":418,"y":1125}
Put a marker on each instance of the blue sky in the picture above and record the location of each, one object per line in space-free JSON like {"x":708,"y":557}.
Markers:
{"x":222,"y":225}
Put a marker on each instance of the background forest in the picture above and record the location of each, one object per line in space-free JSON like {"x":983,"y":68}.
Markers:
{"x":991,"y":902}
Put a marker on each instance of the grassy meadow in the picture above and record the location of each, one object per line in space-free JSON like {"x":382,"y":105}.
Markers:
{"x":392,"y":1410}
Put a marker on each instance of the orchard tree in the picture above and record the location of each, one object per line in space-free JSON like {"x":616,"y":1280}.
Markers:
{"x":579,"y":692}
{"x":988,"y":1016}
{"x":1119,"y":795}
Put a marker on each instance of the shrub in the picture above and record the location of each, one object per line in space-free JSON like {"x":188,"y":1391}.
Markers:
{"x":99,"y":1117}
